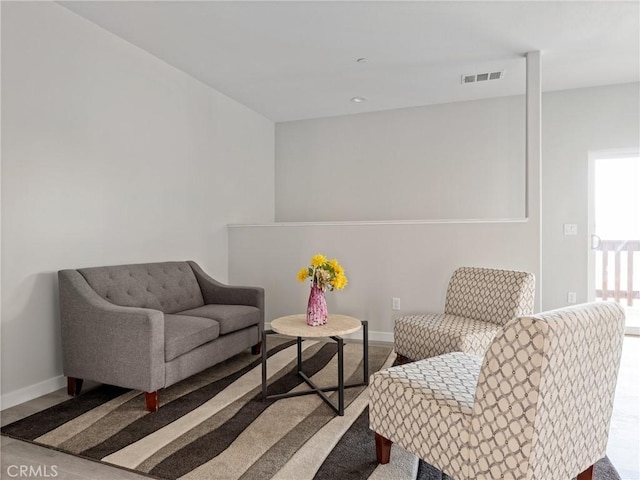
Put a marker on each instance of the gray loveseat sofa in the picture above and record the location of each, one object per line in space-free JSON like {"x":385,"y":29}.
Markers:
{"x":148,"y":326}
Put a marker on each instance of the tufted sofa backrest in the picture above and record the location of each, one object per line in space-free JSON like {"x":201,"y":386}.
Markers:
{"x":490,"y":295}
{"x":168,"y":286}
{"x":544,"y":397}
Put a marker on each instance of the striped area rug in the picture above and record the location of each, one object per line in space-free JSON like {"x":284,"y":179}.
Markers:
{"x":216,"y":426}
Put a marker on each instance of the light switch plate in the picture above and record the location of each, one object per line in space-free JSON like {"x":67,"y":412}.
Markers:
{"x":395,"y":303}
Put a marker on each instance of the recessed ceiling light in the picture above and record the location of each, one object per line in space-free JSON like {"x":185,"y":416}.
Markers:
{"x":362,"y":60}
{"x":359,"y":99}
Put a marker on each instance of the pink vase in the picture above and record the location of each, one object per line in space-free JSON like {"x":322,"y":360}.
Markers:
{"x":317,"y":308}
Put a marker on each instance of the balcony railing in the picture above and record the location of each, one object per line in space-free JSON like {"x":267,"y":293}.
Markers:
{"x":624,"y":281}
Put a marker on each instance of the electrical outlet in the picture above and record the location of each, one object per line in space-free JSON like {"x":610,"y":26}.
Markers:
{"x":570,"y":228}
{"x":571,"y":297}
{"x":395,"y":304}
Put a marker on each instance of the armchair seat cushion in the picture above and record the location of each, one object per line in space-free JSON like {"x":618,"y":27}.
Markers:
{"x":230,"y":317}
{"x":429,"y":335}
{"x":426,"y":406}
{"x":183,"y":333}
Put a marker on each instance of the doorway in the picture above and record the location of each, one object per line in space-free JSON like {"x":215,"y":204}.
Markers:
{"x":614,"y":224}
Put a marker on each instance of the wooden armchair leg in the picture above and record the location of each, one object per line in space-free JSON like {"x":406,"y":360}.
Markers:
{"x":74,"y":385}
{"x":152,"y":400}
{"x":383,"y":449}
{"x":257,"y":348}
{"x":587,"y":474}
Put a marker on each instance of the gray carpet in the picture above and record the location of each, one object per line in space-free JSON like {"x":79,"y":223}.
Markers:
{"x":216,"y":426}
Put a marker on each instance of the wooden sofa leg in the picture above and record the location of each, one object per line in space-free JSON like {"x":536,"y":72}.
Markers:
{"x":153,"y":401}
{"x":74,"y":385}
{"x":383,"y":449}
{"x":257,"y":348}
{"x":587,"y":474}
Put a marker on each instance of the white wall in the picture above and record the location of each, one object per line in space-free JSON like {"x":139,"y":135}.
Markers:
{"x":413,"y":262}
{"x":452,"y":161}
{"x":409,"y":261}
{"x":575,"y":123}
{"x":109,"y":156}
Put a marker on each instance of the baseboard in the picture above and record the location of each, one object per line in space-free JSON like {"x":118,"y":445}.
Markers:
{"x":373,"y":335}
{"x":386,"y":337}
{"x":11,"y":399}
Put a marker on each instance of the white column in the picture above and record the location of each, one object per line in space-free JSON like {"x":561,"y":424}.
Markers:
{"x":533,"y":201}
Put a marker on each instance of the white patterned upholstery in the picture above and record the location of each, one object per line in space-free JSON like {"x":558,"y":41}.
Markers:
{"x":479,"y":302}
{"x":426,"y":406}
{"x":537,"y":406}
{"x":424,"y":336}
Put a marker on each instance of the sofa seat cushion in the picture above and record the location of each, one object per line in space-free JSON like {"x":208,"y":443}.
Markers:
{"x":183,"y":333}
{"x":423,"y":336}
{"x":230,"y":317}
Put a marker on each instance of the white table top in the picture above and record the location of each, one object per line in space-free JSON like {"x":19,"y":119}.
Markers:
{"x":296,"y":326}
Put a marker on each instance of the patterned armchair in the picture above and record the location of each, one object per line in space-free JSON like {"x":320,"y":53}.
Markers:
{"x":537,"y":406}
{"x":479,"y":302}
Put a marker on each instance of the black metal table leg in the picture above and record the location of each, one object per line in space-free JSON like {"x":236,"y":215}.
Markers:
{"x":264,"y":363}
{"x":365,"y":351}
{"x":340,"y":376}
{"x":340,"y":388}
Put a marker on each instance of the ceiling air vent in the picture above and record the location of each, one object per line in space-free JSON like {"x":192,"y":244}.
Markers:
{"x":482,"y":77}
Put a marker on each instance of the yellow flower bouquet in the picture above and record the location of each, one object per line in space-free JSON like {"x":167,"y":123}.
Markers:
{"x":326,"y":274}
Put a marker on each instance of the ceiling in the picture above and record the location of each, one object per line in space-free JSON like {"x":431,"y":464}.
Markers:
{"x":292,"y":60}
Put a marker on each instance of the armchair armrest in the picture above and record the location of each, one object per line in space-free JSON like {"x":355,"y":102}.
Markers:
{"x":216,"y":292}
{"x":109,"y":343}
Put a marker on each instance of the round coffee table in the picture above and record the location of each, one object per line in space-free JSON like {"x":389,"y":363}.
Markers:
{"x":336,"y":326}
{"x":296,"y":326}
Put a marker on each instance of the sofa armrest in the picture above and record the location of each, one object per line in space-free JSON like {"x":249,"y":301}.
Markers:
{"x":216,"y":292}
{"x":108,"y":343}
